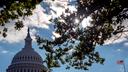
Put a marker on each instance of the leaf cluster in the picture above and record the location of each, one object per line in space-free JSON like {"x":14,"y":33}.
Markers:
{"x":107,"y":17}
{"x":15,"y":9}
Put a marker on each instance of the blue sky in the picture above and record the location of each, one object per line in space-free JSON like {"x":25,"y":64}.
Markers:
{"x":39,"y":23}
{"x":111,"y":53}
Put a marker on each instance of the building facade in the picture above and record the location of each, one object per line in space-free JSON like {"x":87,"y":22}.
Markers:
{"x":27,"y":60}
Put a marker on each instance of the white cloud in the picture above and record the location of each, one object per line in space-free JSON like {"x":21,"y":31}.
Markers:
{"x":119,"y":50}
{"x":38,"y":20}
{"x":4,"y":51}
{"x":41,"y":20}
{"x":57,"y":7}
{"x":115,"y":40}
{"x":86,"y":22}
{"x":121,"y":37}
{"x":14,"y":36}
{"x":126,"y":44}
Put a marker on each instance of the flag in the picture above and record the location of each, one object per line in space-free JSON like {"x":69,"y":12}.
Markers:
{"x":120,"y":62}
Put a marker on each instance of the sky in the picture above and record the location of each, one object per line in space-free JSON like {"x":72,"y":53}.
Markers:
{"x":39,"y":23}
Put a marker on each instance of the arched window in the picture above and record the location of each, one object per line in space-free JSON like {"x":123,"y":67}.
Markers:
{"x":17,"y":70}
{"x":35,"y":58}
{"x":35,"y":70}
{"x":31,"y":57}
{"x":17,"y":58}
{"x":24,"y":70}
{"x":23,"y":57}
{"x":20,"y":58}
{"x":31,"y":70}
{"x":14,"y":70}
{"x":21,"y":70}
{"x":28,"y":58}
{"x":28,"y":70}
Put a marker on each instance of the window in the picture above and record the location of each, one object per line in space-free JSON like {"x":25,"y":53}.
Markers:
{"x":25,"y":57}
{"x":21,"y":70}
{"x":24,"y":70}
{"x":17,"y":70}
{"x":28,"y":57}
{"x":28,"y":70}
{"x":31,"y":70}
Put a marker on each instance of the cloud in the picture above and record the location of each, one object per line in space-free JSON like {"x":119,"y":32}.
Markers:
{"x":38,"y":20}
{"x":115,"y":40}
{"x":126,"y":44}
{"x":119,"y":49}
{"x":3,"y":51}
{"x":121,"y":37}
{"x":86,"y":22}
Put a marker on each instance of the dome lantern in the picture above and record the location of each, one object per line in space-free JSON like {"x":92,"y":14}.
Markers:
{"x":28,"y":41}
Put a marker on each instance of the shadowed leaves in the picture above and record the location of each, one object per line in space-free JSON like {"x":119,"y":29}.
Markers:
{"x":107,"y":17}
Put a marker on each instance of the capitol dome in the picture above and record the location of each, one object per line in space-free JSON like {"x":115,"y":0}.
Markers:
{"x":27,"y":55}
{"x":27,"y":60}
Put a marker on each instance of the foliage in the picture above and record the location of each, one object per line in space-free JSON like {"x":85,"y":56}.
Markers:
{"x":107,"y":17}
{"x":76,"y":45}
{"x":14,"y":9}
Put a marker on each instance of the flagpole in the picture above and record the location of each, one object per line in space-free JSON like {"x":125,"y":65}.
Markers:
{"x":124,"y":67}
{"x":121,"y":62}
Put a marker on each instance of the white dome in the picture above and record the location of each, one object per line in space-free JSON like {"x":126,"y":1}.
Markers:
{"x":27,"y":60}
{"x":27,"y":56}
